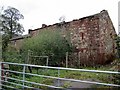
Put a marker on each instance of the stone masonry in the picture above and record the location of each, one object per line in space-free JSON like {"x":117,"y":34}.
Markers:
{"x":93,"y":37}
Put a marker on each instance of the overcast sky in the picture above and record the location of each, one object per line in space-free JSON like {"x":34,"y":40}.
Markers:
{"x":38,"y":12}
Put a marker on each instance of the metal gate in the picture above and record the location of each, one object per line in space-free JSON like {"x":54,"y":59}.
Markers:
{"x":7,"y":81}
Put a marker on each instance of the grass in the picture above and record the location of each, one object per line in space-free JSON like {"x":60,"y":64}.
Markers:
{"x":99,"y":77}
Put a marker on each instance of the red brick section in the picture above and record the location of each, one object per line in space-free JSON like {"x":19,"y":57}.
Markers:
{"x":93,"y":37}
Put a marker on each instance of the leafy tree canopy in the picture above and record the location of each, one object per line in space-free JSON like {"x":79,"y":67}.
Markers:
{"x":118,"y":45}
{"x":9,"y":24}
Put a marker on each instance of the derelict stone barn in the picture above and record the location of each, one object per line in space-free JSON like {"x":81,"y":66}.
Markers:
{"x":93,"y":37}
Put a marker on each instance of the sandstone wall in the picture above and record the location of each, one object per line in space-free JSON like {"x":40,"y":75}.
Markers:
{"x":93,"y":37}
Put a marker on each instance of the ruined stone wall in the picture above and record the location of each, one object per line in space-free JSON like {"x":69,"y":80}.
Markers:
{"x":93,"y":37}
{"x":17,"y":43}
{"x":107,"y":35}
{"x":33,"y":32}
{"x":84,"y":35}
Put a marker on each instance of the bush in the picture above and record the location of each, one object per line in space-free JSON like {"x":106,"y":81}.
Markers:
{"x":50,"y":43}
{"x":12,"y":55}
{"x":116,"y":77}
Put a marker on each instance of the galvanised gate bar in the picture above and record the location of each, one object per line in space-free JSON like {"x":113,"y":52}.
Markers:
{"x":24,"y":73}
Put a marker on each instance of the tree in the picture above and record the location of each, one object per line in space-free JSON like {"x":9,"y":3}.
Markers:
{"x":117,"y":39}
{"x":50,"y":43}
{"x":116,"y":78}
{"x":10,"y":25}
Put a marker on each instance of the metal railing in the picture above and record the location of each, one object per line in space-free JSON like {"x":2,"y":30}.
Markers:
{"x":24,"y":74}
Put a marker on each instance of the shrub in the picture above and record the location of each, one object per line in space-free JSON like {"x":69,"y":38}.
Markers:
{"x":50,"y":43}
{"x":12,"y":55}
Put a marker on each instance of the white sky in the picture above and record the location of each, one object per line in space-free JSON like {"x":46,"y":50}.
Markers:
{"x":38,"y":12}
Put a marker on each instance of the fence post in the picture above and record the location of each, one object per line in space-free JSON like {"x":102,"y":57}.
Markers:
{"x":28,"y":58}
{"x":23,"y":76}
{"x":0,"y":75}
{"x":66,"y":59}
{"x":79,"y":59}
{"x":47,"y":61}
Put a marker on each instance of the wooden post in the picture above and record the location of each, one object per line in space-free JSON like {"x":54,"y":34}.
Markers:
{"x":28,"y":60}
{"x":1,"y":76}
{"x":79,"y":59}
{"x":28,"y":57}
{"x":47,"y":61}
{"x":66,"y":59}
